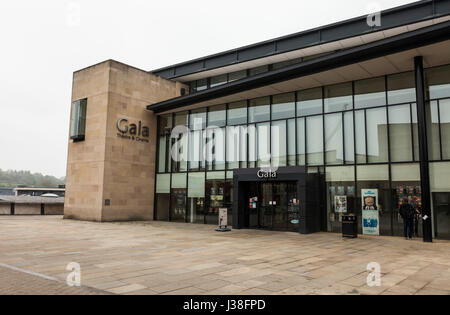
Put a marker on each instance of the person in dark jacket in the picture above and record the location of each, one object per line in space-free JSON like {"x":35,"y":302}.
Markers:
{"x":407,"y":212}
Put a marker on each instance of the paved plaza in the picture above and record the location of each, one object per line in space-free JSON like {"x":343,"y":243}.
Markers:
{"x":172,"y":258}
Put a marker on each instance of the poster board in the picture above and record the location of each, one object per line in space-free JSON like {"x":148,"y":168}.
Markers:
{"x":340,"y":204}
{"x":223,"y":217}
{"x":370,"y":215}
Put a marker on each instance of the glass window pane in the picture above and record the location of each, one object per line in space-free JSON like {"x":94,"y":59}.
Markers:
{"x":434,"y":149}
{"x":400,"y":133}
{"x":284,"y":64}
{"x":193,"y":87}
{"x":340,"y":195}
{"x":263,"y":136}
{"x":237,"y":113}
{"x":218,"y":80}
{"x":309,"y":102}
{"x":301,"y":149}
{"x":234,"y":76}
{"x":338,"y":97}
{"x":78,"y":120}
{"x":178,"y":180}
{"x":251,"y":130}
{"x":437,"y":82}
{"x":215,"y":148}
{"x":401,"y":88}
{"x":163,"y":184}
{"x":162,"y":154}
{"x":349,"y":141}
{"x":283,"y":106}
{"x":259,"y":109}
{"x":278,"y":145}
{"x":314,"y":140}
{"x":377,"y":143}
{"x":360,"y":136}
{"x":195,"y":149}
{"x":444,"y":115}
{"x":375,"y":178}
{"x":291,"y":142}
{"x":181,"y":119}
{"x":258,"y":70}
{"x":370,"y":92}
{"x":217,"y":116}
{"x":196,"y":185}
{"x":233,"y":146}
{"x":198,"y":119}
{"x":415,"y":132}
{"x":333,"y":139}
{"x":202,"y":84}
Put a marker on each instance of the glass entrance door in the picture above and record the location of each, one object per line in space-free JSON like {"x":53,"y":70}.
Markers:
{"x":266,"y":208}
{"x":273,"y":205}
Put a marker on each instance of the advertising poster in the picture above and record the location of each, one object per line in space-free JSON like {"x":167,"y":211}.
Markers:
{"x":370,"y":216}
{"x":340,"y":204}
{"x":223,"y":217}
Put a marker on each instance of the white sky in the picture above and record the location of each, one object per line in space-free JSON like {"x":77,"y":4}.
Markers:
{"x":44,"y":42}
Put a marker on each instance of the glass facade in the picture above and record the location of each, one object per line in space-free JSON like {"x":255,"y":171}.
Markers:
{"x":362,"y":135}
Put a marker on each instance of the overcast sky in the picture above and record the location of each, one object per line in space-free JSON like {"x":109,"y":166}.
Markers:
{"x":44,"y":42}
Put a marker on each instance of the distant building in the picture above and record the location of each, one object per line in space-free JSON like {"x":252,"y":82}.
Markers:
{"x":30,"y":191}
{"x":31,"y":205}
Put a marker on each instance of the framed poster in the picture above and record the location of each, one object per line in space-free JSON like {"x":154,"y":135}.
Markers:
{"x":340,"y":204}
{"x":370,"y":216}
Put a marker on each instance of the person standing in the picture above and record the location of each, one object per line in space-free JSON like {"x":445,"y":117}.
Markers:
{"x":407,"y":212}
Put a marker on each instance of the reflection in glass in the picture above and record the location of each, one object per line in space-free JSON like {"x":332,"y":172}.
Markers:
{"x":370,"y":92}
{"x":434,"y":148}
{"x":349,"y":142}
{"x":401,"y":88}
{"x":278,"y":146}
{"x":301,"y":143}
{"x":338,"y":97}
{"x":314,"y":140}
{"x":400,"y":133}
{"x":259,"y":110}
{"x":237,"y":113}
{"x":360,"y":136}
{"x":333,"y":139}
{"x":217,"y":116}
{"x":437,"y":82}
{"x":263,"y":136}
{"x":377,"y":142}
{"x":283,"y":106}
{"x":291,"y":142}
{"x":309,"y":102}
{"x":444,"y":116}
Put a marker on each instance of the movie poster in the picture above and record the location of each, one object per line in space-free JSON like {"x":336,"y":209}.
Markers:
{"x":340,"y":204}
{"x":370,"y":216}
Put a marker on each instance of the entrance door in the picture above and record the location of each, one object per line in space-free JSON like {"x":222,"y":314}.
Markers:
{"x":266,"y":206}
{"x":269,"y":203}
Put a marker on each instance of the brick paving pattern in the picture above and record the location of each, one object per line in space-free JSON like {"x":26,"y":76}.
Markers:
{"x":14,"y":282}
{"x":170,"y":258}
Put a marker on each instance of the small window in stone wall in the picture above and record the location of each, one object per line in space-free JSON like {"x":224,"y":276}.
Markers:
{"x":78,"y":120}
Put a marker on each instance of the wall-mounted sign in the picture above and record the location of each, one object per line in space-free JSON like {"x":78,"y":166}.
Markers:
{"x":266,"y":174}
{"x":135,"y":132}
{"x":370,"y":216}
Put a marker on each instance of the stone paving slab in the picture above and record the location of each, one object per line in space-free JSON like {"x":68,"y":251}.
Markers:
{"x":172,"y":258}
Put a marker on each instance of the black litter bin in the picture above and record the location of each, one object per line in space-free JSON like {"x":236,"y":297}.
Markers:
{"x":349,"y":226}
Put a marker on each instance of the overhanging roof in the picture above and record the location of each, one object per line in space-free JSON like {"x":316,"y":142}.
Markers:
{"x":399,"y":43}
{"x":391,"y":18}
